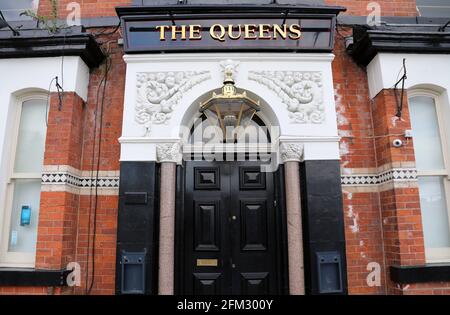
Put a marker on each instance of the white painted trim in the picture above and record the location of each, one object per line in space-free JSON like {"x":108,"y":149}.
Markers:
{"x":7,"y":186}
{"x":181,"y":58}
{"x":36,"y":73}
{"x":422,"y":70}
{"x":147,"y":140}
{"x":438,"y":254}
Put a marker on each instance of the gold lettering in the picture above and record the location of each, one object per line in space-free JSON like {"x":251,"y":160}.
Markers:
{"x":230,"y":32}
{"x":182,"y":31}
{"x":195,"y":32}
{"x":249,"y":30}
{"x":278,"y":30}
{"x":162,"y":31}
{"x":220,"y":36}
{"x":264,"y":31}
{"x":295,"y":32}
{"x":234,"y":32}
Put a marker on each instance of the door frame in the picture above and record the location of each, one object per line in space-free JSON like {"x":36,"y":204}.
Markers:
{"x":281,"y":230}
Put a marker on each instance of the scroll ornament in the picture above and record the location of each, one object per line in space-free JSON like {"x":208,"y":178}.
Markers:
{"x":158,"y":93}
{"x":300,"y":91}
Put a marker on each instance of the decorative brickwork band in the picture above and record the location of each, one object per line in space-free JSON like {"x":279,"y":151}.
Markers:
{"x":66,"y":178}
{"x":398,"y":174}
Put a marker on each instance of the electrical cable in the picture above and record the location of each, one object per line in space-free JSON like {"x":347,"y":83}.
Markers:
{"x":442,"y":28}
{"x":48,"y":99}
{"x":339,"y":33}
{"x":14,"y":31}
{"x":103,"y":33}
{"x":94,"y":206}
{"x":402,"y":79}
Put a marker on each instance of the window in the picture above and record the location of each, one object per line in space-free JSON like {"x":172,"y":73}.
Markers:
{"x":432,"y":162}
{"x":21,"y":211}
{"x":11,"y":9}
{"x":433,"y":8}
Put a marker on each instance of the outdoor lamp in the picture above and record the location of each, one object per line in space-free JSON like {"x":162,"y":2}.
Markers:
{"x":229,"y":109}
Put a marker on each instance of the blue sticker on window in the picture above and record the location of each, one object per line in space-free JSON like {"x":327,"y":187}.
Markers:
{"x":25,"y":216}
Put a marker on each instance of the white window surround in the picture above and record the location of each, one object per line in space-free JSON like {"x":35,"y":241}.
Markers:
{"x":15,"y":259}
{"x":438,"y":255}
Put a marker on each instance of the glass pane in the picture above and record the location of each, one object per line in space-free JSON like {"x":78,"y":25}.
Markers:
{"x":31,"y":137}
{"x":11,"y":9}
{"x":427,"y":140}
{"x":23,"y":232}
{"x":434,"y":212}
{"x":433,"y":8}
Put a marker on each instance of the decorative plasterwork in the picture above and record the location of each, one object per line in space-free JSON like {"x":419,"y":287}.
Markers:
{"x":158,"y":93}
{"x":229,"y":65}
{"x":168,"y":152}
{"x":291,"y":152}
{"x":300,"y":91}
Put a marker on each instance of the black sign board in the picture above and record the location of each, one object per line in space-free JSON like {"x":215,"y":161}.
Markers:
{"x":241,"y":28}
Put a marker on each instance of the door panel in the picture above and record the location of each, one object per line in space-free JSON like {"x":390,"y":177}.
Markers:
{"x":207,"y":283}
{"x":253,"y":225}
{"x":230,"y":223}
{"x":255,"y":283}
{"x":207,"y":225}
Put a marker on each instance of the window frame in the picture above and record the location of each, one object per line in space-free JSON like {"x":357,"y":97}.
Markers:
{"x":16,"y":259}
{"x":437,"y":255}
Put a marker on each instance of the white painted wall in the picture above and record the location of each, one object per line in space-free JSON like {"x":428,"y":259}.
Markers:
{"x":321,"y":140}
{"x":423,"y":70}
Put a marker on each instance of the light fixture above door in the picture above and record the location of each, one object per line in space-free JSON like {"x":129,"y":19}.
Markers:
{"x":229,"y":109}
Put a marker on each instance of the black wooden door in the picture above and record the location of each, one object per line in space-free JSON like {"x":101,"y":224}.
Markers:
{"x":230,"y":230}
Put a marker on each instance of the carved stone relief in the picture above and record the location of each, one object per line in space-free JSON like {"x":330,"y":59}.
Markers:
{"x":300,"y":91}
{"x":158,"y":93}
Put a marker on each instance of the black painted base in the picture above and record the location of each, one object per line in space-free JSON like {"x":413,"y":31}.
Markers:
{"x":137,"y":230}
{"x":323,"y":227}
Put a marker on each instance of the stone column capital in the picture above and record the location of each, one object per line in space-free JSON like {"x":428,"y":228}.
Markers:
{"x":291,"y":152}
{"x":168,"y":152}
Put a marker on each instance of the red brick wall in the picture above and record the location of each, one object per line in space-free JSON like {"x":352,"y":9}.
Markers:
{"x":364,"y":244}
{"x":64,"y":131}
{"x":112,"y":112}
{"x":89,"y":8}
{"x":386,"y":123}
{"x":105,"y":244}
{"x":64,"y":216}
{"x":353,"y":107}
{"x":363,"y":231}
{"x":95,"y":8}
{"x":382,"y":224}
{"x":388,"y":7}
